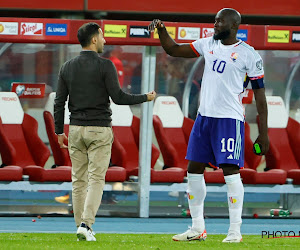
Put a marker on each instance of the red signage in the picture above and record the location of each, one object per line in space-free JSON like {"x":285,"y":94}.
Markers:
{"x":281,"y":37}
{"x":248,"y":97}
{"x":28,"y":90}
{"x":33,"y":30}
{"x":59,"y":31}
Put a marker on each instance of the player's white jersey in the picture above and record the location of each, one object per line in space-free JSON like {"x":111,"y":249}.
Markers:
{"x":225,"y":69}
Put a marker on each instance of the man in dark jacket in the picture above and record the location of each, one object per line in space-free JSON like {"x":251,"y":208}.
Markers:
{"x":89,"y":80}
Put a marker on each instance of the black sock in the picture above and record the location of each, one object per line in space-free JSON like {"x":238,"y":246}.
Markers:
{"x":85,"y":225}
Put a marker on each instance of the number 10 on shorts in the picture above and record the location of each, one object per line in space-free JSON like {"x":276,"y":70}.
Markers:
{"x":227,"y":145}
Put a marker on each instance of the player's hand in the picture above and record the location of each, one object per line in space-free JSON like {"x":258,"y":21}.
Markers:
{"x":151,"y":95}
{"x":263,"y":140}
{"x":156,"y":23}
{"x":61,"y":139}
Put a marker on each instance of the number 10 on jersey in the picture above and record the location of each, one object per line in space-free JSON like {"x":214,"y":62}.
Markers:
{"x":219,"y":66}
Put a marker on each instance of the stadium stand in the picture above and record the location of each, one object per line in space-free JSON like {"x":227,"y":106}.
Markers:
{"x":172,"y":132}
{"x":125,"y":149}
{"x":284,"y":134}
{"x":21,"y":145}
{"x":249,"y":173}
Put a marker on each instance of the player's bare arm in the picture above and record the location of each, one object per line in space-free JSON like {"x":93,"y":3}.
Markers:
{"x":170,"y":46}
{"x":262,"y":109}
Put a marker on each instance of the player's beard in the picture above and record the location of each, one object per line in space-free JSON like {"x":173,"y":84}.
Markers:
{"x":222,"y":35}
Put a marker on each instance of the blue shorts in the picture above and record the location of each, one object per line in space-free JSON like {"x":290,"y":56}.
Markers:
{"x":216,"y":141}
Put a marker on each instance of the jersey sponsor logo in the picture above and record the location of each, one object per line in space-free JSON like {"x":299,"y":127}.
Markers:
{"x":113,"y":30}
{"x":171,"y":31}
{"x":139,"y":31}
{"x":234,"y":56}
{"x":278,"y":36}
{"x":296,"y":37}
{"x":187,"y":33}
{"x":32,"y":29}
{"x":207,"y":32}
{"x":56,"y":29}
{"x":242,"y":34}
{"x":9,"y":28}
{"x":259,"y":64}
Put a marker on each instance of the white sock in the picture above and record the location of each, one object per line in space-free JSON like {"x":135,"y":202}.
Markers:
{"x":196,"y":195}
{"x":235,"y":196}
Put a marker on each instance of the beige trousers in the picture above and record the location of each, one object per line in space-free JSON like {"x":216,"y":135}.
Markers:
{"x":90,"y":151}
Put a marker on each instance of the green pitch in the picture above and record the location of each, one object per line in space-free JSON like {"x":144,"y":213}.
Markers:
{"x":137,"y":241}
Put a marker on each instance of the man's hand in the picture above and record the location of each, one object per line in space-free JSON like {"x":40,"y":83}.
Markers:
{"x":263,"y":140}
{"x":151,"y":95}
{"x":262,"y":109}
{"x":156,"y":23}
{"x":61,"y":139}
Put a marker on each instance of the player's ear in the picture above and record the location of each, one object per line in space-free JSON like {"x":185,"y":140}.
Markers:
{"x":94,"y":40}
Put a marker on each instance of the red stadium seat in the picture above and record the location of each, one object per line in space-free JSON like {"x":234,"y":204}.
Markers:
{"x":11,"y":173}
{"x":172,"y":132}
{"x":21,"y":145}
{"x":293,"y":131}
{"x":8,"y":170}
{"x":125,"y":149}
{"x":251,"y":160}
{"x":215,"y":176}
{"x":61,"y":156}
{"x":284,"y":135}
{"x":249,"y":174}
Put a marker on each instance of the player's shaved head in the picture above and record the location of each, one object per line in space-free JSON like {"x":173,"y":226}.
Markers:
{"x":233,"y":15}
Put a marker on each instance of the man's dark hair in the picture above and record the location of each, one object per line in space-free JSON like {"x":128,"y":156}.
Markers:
{"x":86,"y":32}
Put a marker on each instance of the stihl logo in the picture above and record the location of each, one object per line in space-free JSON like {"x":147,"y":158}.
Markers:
{"x":169,"y":103}
{"x":32,"y":29}
{"x":207,"y":32}
{"x":9,"y":99}
{"x":275,"y":103}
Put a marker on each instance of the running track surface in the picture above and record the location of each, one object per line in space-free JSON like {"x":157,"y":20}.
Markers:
{"x":141,"y":225}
